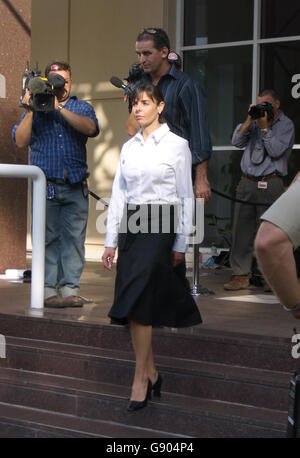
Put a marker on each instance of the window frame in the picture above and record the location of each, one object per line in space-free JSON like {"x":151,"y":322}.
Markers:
{"x":256,"y":43}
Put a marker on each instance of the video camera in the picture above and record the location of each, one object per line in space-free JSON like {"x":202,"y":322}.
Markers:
{"x":134,"y":75}
{"x":258,"y":111}
{"x":42,"y":89}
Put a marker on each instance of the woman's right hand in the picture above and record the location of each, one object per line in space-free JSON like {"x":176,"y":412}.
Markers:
{"x":108,"y":257}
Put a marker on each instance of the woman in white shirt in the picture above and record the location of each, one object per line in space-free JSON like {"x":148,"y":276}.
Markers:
{"x":149,"y":219}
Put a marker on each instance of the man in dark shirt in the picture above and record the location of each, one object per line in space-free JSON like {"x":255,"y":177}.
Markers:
{"x":185,"y":108}
{"x":185,"y":102}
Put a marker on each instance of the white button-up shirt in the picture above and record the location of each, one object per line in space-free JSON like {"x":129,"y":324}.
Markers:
{"x":155,"y":171}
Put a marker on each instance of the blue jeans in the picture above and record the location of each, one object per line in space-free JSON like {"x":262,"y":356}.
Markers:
{"x":66,"y":222}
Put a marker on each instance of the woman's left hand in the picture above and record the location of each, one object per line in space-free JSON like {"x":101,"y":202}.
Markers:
{"x":108,"y":257}
{"x":177,"y":258}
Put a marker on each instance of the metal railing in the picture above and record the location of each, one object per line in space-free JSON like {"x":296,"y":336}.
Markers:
{"x":197,"y":239}
{"x":38,"y":231}
{"x":38,"y":225}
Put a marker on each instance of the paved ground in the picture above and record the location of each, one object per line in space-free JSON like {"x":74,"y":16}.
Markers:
{"x":249,"y":311}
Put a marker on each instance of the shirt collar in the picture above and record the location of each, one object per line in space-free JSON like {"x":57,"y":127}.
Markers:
{"x":172,"y":72}
{"x":157,"y":135}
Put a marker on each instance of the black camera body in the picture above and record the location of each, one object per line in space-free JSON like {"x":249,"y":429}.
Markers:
{"x":258,"y":111}
{"x":135,"y":73}
{"x":42,"y":89}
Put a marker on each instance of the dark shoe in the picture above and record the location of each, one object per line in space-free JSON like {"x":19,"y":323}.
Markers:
{"x":136,"y":405}
{"x":63,"y":302}
{"x":237,"y":282}
{"x":54,"y":302}
{"x":156,"y":387}
{"x":73,"y":301}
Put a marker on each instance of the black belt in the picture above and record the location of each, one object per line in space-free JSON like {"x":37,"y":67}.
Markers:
{"x":262,"y":178}
{"x":58,"y":181}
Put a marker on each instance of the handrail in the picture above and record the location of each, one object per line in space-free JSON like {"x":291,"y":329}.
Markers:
{"x":199,"y":230}
{"x":38,"y":225}
{"x":197,"y":289}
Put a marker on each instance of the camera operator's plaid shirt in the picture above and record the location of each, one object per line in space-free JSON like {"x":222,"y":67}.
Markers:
{"x":56,"y":146}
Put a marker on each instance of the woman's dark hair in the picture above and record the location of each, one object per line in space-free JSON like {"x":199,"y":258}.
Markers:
{"x":153,"y":93}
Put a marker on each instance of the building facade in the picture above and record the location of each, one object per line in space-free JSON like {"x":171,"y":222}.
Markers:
{"x":233,"y":47}
{"x":236,"y":48}
{"x":15,"y":41}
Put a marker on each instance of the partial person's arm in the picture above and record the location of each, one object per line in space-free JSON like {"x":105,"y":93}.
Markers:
{"x":22,"y":134}
{"x":196,"y":115}
{"x":240,"y":136}
{"x":108,"y":257}
{"x":202,"y":186}
{"x":184,"y":190}
{"x":24,"y":130}
{"x":280,"y":140}
{"x":84,"y":124}
{"x":115,"y":209}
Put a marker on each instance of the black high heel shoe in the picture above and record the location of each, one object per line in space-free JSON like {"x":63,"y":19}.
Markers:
{"x":156,"y":387}
{"x":136,"y":405}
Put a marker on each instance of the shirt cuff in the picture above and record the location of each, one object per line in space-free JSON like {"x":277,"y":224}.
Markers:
{"x":111,"y":240}
{"x":181,"y":244}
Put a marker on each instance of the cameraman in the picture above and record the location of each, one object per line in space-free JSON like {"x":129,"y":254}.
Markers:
{"x":268,"y":142}
{"x":57,"y":141}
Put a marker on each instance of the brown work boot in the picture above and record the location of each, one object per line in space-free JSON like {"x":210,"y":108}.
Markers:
{"x":63,"y":302}
{"x":54,"y":302}
{"x":73,"y":301}
{"x":237,"y":282}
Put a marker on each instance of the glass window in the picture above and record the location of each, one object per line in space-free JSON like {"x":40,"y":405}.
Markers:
{"x":225,"y":75}
{"x":279,"y":18}
{"x":224,"y":173}
{"x":216,"y":21}
{"x":280,"y":70}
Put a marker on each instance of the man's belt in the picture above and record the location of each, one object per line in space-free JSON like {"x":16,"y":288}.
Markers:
{"x":58,"y":181}
{"x":262,"y":178}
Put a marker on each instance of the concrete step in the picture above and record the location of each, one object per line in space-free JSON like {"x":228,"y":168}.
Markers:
{"x":86,"y":407}
{"x":236,"y":349}
{"x":253,"y":386}
{"x":19,"y":422}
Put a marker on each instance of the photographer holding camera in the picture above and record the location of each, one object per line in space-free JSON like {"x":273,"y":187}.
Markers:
{"x":57,"y":139}
{"x":268,"y":137}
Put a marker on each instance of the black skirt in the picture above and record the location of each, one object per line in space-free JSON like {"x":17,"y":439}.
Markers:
{"x":147,"y":290}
